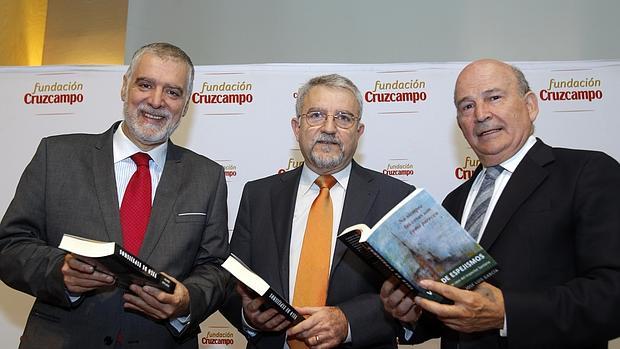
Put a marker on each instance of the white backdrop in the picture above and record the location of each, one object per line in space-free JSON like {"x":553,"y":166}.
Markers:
{"x":240,"y":117}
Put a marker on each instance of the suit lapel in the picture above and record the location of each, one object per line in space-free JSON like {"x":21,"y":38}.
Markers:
{"x":528,"y":175}
{"x":282,"y":210}
{"x":105,"y":185}
{"x":456,"y":204}
{"x":359,"y":198}
{"x":165,"y":198}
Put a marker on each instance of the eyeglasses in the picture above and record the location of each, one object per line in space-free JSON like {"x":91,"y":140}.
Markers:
{"x":342,"y":119}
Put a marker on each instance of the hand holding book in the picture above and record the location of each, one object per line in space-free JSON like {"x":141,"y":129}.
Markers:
{"x":110,"y":258}
{"x":398,"y":301}
{"x":81,"y":276}
{"x":257,"y":295}
{"x":257,"y":312}
{"x":475,"y":310}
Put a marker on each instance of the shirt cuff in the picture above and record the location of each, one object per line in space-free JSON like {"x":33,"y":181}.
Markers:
{"x":249,"y":330}
{"x":181,"y":323}
{"x":73,"y":297}
{"x":504,"y":331}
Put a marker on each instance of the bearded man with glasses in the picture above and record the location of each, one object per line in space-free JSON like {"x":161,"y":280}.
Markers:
{"x":276,"y":233}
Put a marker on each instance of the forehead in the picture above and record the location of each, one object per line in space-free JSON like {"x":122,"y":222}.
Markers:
{"x":330,"y":98}
{"x":477,"y":79}
{"x":167,"y":70}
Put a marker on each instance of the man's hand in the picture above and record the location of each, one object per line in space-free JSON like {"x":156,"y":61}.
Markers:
{"x":157,"y":303}
{"x":398,"y":301}
{"x":324,"y":327}
{"x":257,"y":317}
{"x":477,"y":310}
{"x":80,"y":277}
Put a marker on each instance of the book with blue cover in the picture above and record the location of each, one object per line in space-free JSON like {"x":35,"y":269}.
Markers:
{"x":418,"y":239}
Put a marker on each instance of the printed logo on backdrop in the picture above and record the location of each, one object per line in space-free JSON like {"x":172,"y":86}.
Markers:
{"x":50,"y":91}
{"x":218,"y":336}
{"x":399,"y":168}
{"x":223,"y":94}
{"x":230,"y":169}
{"x":397,"y":93}
{"x":580,"y":90}
{"x":466,"y":170}
{"x":295,"y":160}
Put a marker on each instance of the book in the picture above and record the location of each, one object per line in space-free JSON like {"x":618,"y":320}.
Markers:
{"x":112,"y":259}
{"x":245,"y":275}
{"x":418,"y":239}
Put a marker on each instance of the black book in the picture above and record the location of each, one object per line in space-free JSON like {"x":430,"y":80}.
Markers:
{"x":245,"y":275}
{"x":111,"y":258}
{"x":418,"y":239}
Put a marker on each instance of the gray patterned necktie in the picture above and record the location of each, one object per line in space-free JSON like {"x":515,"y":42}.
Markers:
{"x":481,"y":203}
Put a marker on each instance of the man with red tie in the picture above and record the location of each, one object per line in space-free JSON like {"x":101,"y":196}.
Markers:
{"x":130,"y":185}
{"x":287,"y":225}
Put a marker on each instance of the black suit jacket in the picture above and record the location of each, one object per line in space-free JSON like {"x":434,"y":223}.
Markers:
{"x":69,"y":187}
{"x":555,"y":233}
{"x":262,"y":239}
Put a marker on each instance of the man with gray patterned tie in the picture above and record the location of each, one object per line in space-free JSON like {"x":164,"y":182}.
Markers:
{"x":549,"y":216}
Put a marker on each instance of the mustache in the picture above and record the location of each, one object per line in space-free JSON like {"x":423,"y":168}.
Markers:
{"x":327,"y":138}
{"x":163,"y":112}
{"x":484,"y":127}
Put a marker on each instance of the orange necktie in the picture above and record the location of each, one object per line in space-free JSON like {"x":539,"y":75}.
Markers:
{"x":313,"y":270}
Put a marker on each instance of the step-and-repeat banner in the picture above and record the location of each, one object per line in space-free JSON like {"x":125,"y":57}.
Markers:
{"x":240,"y":117}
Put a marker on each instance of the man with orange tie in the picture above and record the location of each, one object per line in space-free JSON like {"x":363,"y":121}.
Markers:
{"x":130,"y":185}
{"x":287,"y":225}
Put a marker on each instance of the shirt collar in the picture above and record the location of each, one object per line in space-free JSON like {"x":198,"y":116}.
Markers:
{"x":123,"y":148}
{"x":308,"y":177}
{"x":511,"y":164}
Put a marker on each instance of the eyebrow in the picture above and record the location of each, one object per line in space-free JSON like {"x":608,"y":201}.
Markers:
{"x":485,"y":93}
{"x":153,"y":81}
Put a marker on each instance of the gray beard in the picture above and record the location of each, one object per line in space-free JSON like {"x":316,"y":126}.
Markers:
{"x":327,"y":162}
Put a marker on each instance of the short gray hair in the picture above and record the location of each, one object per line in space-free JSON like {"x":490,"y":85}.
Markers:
{"x":331,"y":80}
{"x":164,"y":50}
{"x":524,"y":86}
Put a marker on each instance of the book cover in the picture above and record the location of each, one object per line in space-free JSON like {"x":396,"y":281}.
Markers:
{"x":418,"y":239}
{"x":111,"y":258}
{"x":244,"y":274}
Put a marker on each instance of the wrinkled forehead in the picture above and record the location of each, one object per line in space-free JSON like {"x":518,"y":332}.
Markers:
{"x":321,"y":95}
{"x":477,"y":78}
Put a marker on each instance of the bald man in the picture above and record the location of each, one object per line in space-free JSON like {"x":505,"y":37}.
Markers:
{"x":552,"y":224}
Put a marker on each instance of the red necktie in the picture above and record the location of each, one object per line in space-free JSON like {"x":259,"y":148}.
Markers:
{"x":136,"y":206}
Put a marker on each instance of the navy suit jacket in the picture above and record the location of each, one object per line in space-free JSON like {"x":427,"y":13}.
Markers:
{"x":261,"y":238}
{"x":69,"y":187}
{"x":555,"y":233}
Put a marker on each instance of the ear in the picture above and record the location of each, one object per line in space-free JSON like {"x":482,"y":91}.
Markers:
{"x":295,"y":125}
{"x":124,"y":89}
{"x":360,"y":129}
{"x":458,"y":122}
{"x":531,"y":103}
{"x":185,"y":108}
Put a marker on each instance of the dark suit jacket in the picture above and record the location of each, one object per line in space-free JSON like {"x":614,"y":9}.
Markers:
{"x":262,"y":239}
{"x":69,"y":187}
{"x":555,"y":233}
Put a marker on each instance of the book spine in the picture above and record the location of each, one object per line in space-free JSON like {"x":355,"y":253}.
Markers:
{"x":367,"y":253}
{"x":283,"y":306}
{"x":164,"y":283}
